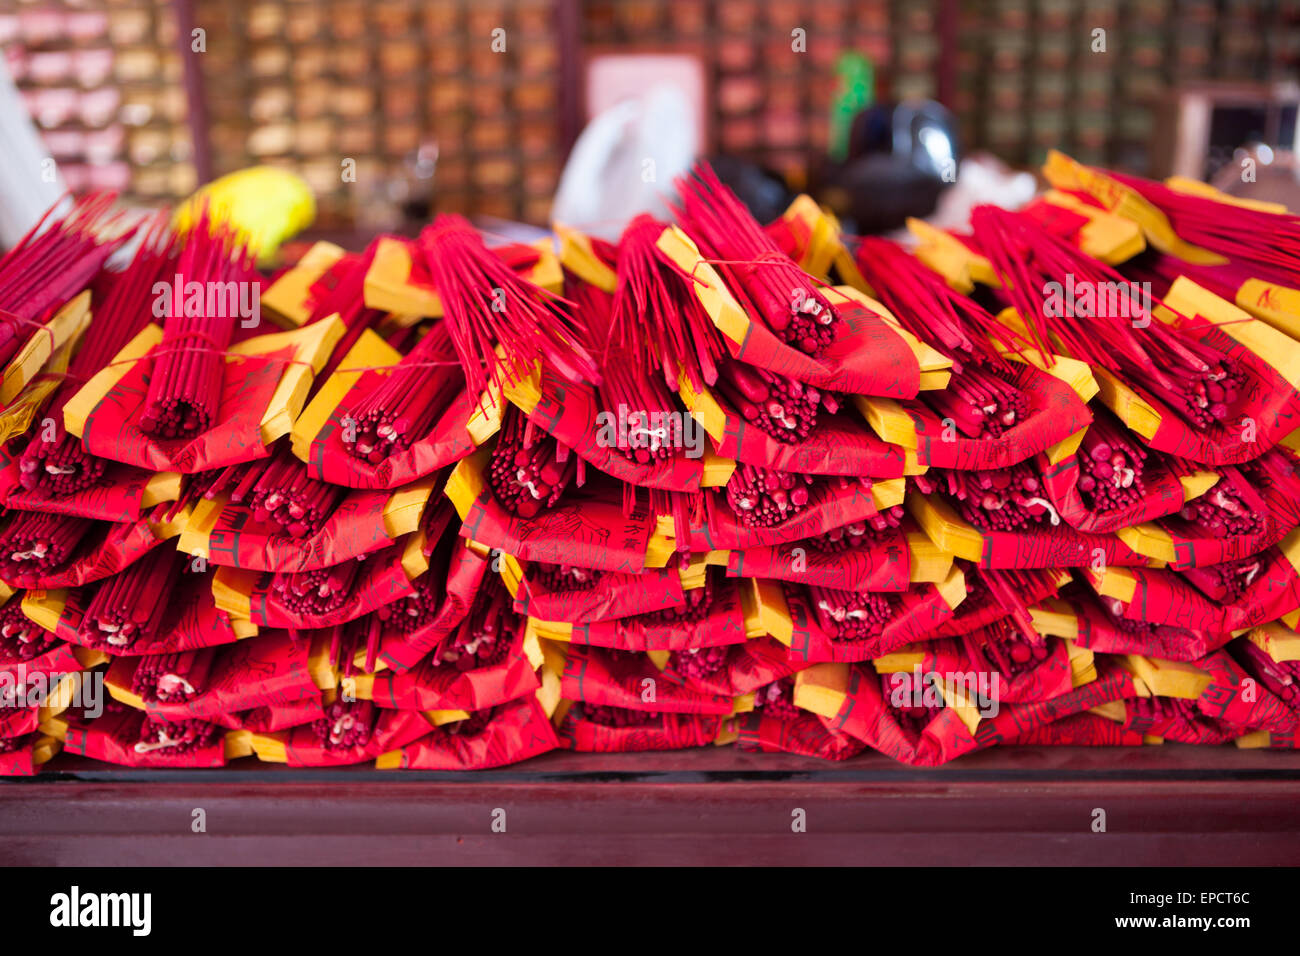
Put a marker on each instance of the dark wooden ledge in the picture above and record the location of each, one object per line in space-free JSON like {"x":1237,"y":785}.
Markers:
{"x":1170,"y":805}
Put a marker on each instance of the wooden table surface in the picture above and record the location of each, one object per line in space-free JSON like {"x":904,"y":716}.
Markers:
{"x":1163,"y":805}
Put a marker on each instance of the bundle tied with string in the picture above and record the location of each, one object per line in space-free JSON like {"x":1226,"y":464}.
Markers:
{"x":769,"y":281}
{"x":54,"y":464}
{"x":55,"y":260}
{"x":1108,"y":322}
{"x":995,"y":411}
{"x":486,"y":304}
{"x":185,"y":384}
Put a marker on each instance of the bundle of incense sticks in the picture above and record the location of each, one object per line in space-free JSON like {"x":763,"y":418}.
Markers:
{"x":656,"y":314}
{"x":781,"y":295}
{"x":980,"y":400}
{"x":130,"y":607}
{"x":529,"y":469}
{"x":487,"y":304}
{"x":54,"y":463}
{"x":631,"y":385}
{"x":34,"y":542}
{"x":53,"y":262}
{"x":277,"y":490}
{"x":1113,"y":327}
{"x":778,"y":567}
{"x":186,"y":381}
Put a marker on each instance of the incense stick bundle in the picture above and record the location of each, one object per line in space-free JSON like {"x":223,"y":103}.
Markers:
{"x":776,"y":700}
{"x":487,"y":632}
{"x":1110,"y":465}
{"x":1005,"y":499}
{"x":129,"y":608}
{"x":980,"y":399}
{"x":529,"y":470}
{"x":850,"y":615}
{"x":277,"y":490}
{"x":1221,"y":511}
{"x":346,"y":724}
{"x":1269,"y":241}
{"x":781,"y":407}
{"x":631,"y":385}
{"x":21,"y":639}
{"x":405,"y":406}
{"x":50,"y":265}
{"x":175,"y":736}
{"x":779,"y":293}
{"x":656,"y":313}
{"x":1003,"y":648}
{"x":697,"y":663}
{"x":187,"y":376}
{"x":34,"y":542}
{"x":762,"y":497}
{"x":173,"y":678}
{"x":310,"y":593}
{"x":1108,"y":324}
{"x":55,"y":464}
{"x":486,"y":304}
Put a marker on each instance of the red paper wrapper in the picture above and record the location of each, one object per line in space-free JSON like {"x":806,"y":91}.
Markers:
{"x":1266,"y":398}
{"x":912,"y":616}
{"x":119,"y":495}
{"x":1163,"y":495}
{"x":1197,"y":546}
{"x":981,"y":607}
{"x":129,"y":738}
{"x":1077,"y":730}
{"x":569,"y":412}
{"x":381,"y":581}
{"x":643,"y":731}
{"x":806,"y":734}
{"x":355,"y":528}
{"x":385,"y":730}
{"x":1250,"y":591}
{"x":629,"y":680}
{"x":1165,"y":597}
{"x":506,"y":734}
{"x":112,"y":429}
{"x":1111,"y":633}
{"x":868,"y":356}
{"x":1235,"y":699}
{"x":1178,"y":720}
{"x":839,"y":444}
{"x":867,"y":716}
{"x":273,"y":717}
{"x":1055,"y":412}
{"x":734,"y":670}
{"x":586,"y":529}
{"x":17,"y":756}
{"x":435,"y":685}
{"x":192,"y":621}
{"x":600,"y":596}
{"x":1034,"y":680}
{"x":448,"y":442}
{"x":833,"y":503}
{"x":264,"y":671}
{"x":403,"y":649}
{"x":719,"y":621}
{"x":881,"y":563}
{"x":108,"y":549}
